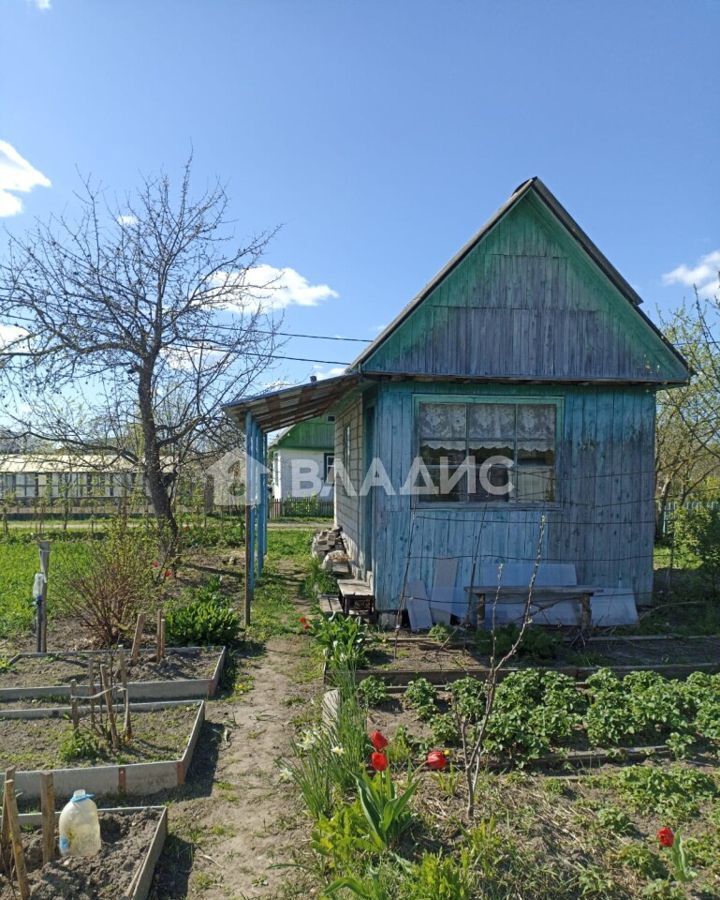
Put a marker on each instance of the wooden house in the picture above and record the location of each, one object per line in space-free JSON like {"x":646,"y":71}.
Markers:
{"x":529,"y":346}
{"x":303,"y":450}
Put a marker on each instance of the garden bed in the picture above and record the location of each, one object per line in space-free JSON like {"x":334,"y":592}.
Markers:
{"x":185,"y":673}
{"x":157,"y":758}
{"x":440,"y":663}
{"x":132,"y":840}
{"x":545,"y":718}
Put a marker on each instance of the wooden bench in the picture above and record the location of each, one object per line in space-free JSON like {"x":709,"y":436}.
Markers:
{"x":543,"y":598}
{"x":356,"y":593}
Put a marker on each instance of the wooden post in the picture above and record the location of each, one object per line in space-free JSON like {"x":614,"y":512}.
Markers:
{"x":47,"y":808}
{"x":91,"y":689}
{"x":248,"y":564}
{"x":11,"y":812}
{"x":112,"y":724}
{"x":127,"y":724}
{"x":158,"y":636}
{"x":162,"y":636}
{"x":137,"y":638}
{"x":5,"y":842}
{"x":42,"y":606}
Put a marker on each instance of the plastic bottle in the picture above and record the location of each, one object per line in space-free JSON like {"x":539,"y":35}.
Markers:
{"x":79,"y":826}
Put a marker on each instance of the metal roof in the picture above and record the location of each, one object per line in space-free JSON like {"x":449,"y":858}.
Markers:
{"x":277,"y":409}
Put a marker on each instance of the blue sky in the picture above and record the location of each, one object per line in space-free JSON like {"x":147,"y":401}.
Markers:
{"x":380,"y":135}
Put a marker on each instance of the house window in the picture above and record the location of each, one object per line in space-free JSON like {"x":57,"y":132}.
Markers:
{"x":331,"y":418}
{"x":26,"y":485}
{"x":329,"y":468}
{"x":507,"y":451}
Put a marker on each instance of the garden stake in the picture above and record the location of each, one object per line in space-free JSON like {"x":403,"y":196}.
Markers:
{"x":162,"y":636}
{"x":122,"y":664}
{"x":91,"y":685}
{"x":158,"y":637}
{"x":127,"y":725}
{"x":74,"y":711}
{"x":5,"y":843}
{"x":11,"y":813}
{"x":112,"y":725}
{"x":137,"y":639}
{"x":47,"y":808}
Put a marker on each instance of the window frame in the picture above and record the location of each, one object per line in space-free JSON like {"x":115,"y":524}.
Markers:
{"x":515,"y":400}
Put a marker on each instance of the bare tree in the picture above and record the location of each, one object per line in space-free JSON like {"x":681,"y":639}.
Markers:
{"x":687,"y":449}
{"x":135,"y":323}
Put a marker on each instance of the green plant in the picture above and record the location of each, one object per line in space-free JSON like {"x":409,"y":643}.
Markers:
{"x":661,"y":889}
{"x":402,"y":748}
{"x":594,"y":881}
{"x":696,"y":533}
{"x":373,"y":691}
{"x":78,"y":744}
{"x":674,"y":791}
{"x":440,"y":877}
{"x":441,"y":633}
{"x":202,"y":623}
{"x":448,"y":781}
{"x":5,"y":663}
{"x":445,"y":730}
{"x":538,"y":643}
{"x":387,"y":814}
{"x":344,"y":639}
{"x":341,"y":841}
{"x":612,"y":819}
{"x":421,"y":696}
{"x":309,"y":770}
{"x":641,"y":859}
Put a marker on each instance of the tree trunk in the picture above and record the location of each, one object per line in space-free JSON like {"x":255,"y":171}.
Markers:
{"x":159,"y":495}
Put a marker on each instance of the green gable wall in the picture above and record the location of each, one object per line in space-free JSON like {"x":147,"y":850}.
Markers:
{"x":528,"y":302}
{"x":313,"y":434}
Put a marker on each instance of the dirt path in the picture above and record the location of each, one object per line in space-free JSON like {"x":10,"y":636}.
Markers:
{"x":242,"y":820}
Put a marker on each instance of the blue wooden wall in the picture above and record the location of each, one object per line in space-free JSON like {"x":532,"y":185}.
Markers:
{"x":602,"y":521}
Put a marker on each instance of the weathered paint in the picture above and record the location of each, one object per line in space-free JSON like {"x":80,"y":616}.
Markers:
{"x":527,"y":302}
{"x":602,"y":520}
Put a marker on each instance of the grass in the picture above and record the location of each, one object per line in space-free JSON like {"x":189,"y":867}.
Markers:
{"x":18,"y":564}
{"x":288,"y":559}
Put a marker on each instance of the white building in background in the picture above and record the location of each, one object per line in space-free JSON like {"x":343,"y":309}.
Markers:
{"x":309,"y":448}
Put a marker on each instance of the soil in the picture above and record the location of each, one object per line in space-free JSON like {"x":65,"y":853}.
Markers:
{"x":61,"y":668}
{"x":31,"y":744}
{"x":125,"y":840}
{"x":418,"y":655}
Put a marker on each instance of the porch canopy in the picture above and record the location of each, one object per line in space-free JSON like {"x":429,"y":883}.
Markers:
{"x":257,"y":416}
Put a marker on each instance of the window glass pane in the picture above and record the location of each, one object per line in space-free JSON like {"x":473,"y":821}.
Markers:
{"x":493,"y":477}
{"x":433,"y":452}
{"x":535,"y":420}
{"x":491,"y":420}
{"x":541,"y":452}
{"x":534,"y":484}
{"x":482,"y":450}
{"x":442,"y":420}
{"x":455,"y":494}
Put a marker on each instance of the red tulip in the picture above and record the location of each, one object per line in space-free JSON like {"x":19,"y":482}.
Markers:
{"x":304,"y":622}
{"x":378,"y":761}
{"x":666,"y":836}
{"x":168,"y":573}
{"x":378,"y":740}
{"x":436,"y":759}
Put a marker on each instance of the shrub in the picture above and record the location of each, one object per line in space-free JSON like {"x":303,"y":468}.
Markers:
{"x":537,"y":643}
{"x":114,"y":584}
{"x":697,"y":538}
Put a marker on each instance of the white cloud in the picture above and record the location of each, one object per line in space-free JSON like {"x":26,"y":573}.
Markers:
{"x":9,"y":334}
{"x":127,"y":220}
{"x":41,"y":4}
{"x":703,"y":275}
{"x":321,"y":374}
{"x":273,"y":288}
{"x":16,"y":176}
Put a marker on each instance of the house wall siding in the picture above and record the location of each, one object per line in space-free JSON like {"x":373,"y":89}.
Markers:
{"x":602,"y":520}
{"x":283,"y":483}
{"x":348,"y":508}
{"x":527,"y":302}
